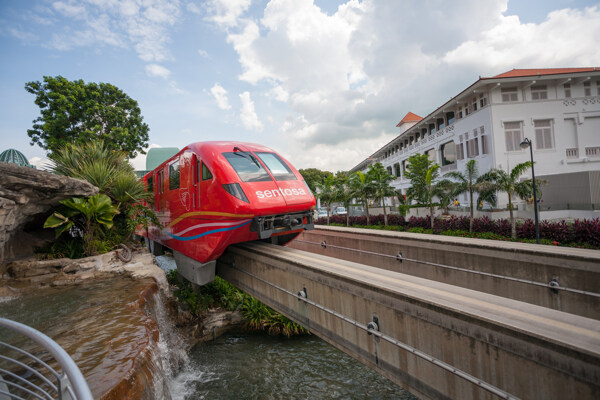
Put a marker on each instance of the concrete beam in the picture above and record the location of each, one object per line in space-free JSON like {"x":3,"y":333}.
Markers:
{"x":520,"y":349}
{"x":479,"y":262}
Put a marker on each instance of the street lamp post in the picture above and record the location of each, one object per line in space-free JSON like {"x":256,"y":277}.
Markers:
{"x":524,"y":144}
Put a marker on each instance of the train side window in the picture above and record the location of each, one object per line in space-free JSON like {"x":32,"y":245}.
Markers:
{"x":150,"y":186}
{"x":206,"y":175}
{"x":174,"y":174}
{"x":161,"y":182}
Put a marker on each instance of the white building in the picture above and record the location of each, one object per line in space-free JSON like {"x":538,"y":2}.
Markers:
{"x":557,"y":109}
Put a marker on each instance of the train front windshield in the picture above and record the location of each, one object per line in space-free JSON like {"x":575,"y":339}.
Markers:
{"x":278,"y":168}
{"x":247,"y":167}
{"x":250,"y":170}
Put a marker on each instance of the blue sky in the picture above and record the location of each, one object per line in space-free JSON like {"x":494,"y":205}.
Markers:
{"x":323,"y":82}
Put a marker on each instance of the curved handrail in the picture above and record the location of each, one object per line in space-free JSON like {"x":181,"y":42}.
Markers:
{"x":70,"y":369}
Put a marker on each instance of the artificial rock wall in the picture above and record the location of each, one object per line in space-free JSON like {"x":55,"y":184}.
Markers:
{"x":27,"y":193}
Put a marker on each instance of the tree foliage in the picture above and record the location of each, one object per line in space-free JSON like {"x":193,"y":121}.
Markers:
{"x":314,"y":177}
{"x":498,"y":180}
{"x":75,"y":112}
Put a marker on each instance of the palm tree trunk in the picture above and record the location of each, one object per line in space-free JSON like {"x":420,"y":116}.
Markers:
{"x":384,"y":213}
{"x":347,"y":214}
{"x":431,"y":213}
{"x":513,"y":223}
{"x":366,"y":203}
{"x":327,"y":214}
{"x":471,"y":211}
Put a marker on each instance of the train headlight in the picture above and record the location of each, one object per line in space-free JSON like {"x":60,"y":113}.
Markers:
{"x":236,"y":191}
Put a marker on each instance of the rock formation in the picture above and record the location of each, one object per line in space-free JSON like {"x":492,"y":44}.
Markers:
{"x":26,"y":193}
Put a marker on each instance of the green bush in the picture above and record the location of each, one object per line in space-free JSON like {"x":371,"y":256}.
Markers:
{"x":222,"y":294}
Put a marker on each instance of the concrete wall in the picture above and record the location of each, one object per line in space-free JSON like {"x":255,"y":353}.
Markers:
{"x":528,"y":351}
{"x":573,"y":268}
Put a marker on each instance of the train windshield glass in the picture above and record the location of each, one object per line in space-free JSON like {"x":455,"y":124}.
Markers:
{"x":247,"y":167}
{"x":279,"y":169}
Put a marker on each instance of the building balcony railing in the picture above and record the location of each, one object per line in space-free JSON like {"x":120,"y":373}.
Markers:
{"x":572,"y":152}
{"x":592,"y":152}
{"x":449,"y":167}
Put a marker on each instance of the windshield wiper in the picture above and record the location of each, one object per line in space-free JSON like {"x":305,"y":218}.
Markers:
{"x":245,"y":154}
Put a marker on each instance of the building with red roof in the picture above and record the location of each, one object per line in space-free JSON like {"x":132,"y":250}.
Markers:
{"x":558,"y":109}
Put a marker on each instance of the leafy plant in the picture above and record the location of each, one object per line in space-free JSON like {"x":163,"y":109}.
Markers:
{"x":88,"y":215}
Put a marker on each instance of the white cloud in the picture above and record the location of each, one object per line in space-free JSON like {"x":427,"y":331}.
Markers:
{"x":348,"y":77}
{"x":563,"y":39}
{"x":227,"y":12}
{"x":157,"y":70}
{"x":41,"y":163}
{"x":248,"y":115}
{"x":144,"y":26}
{"x":220,"y":95}
{"x":203,"y":53}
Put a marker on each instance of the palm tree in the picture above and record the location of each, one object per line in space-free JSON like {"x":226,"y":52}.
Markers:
{"x":344,"y":192}
{"x":498,"y":180}
{"x":381,"y":179}
{"x":326,"y":193}
{"x":362,"y":188}
{"x":468,"y":181}
{"x":423,"y":174}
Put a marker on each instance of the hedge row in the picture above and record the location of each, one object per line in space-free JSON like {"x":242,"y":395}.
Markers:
{"x":579,"y":232}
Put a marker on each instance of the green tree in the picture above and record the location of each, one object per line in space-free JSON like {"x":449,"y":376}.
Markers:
{"x":423,"y":174}
{"x":326,"y":192}
{"x":469,"y":182}
{"x":362,"y":188}
{"x":313,"y":177}
{"x":498,"y":180}
{"x":78,"y":112}
{"x":343,"y":192}
{"x":381,"y":187}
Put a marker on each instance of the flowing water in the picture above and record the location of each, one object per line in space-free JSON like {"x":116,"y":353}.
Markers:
{"x":258,"y":366}
{"x":111,"y":329}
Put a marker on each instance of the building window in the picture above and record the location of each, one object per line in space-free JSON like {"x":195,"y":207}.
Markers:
{"x":513,"y":135}
{"x":460,"y":154}
{"x":543,"y":134}
{"x":431,"y":128}
{"x":403,"y":165}
{"x":474,"y":104}
{"x":484,"y":145}
{"x":509,"y":94}
{"x":440,"y":123}
{"x":567,"y":87}
{"x":539,"y":92}
{"x":389,"y":170}
{"x":450,"y":117}
{"x":397,"y":170}
{"x":448,"y":153}
{"x":472,"y":148}
{"x":431,"y":154}
{"x":587,"y":88}
{"x":460,"y":113}
{"x":174,"y":176}
{"x":482,"y":100}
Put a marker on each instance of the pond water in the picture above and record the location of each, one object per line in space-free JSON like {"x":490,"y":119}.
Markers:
{"x":258,"y":366}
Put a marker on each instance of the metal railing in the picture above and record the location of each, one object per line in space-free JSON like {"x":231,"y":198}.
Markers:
{"x":24,"y":375}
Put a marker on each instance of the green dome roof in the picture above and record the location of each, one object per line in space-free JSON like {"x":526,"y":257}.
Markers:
{"x":15,"y":157}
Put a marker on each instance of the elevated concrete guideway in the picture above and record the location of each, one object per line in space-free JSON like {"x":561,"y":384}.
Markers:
{"x":518,"y":271}
{"x":439,"y":341}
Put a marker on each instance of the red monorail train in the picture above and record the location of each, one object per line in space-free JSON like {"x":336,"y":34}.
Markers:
{"x":213,"y":194}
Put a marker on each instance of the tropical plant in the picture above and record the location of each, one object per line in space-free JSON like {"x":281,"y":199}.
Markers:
{"x":362,"y":189}
{"x":381,"y":187}
{"x":326,"y":192}
{"x":343,"y":192}
{"x":498,"y":180}
{"x":423,"y":174}
{"x":469,"y":182}
{"x":108,"y":170}
{"x":88,"y":215}
{"x":313,"y":177}
{"x":77,"y":112}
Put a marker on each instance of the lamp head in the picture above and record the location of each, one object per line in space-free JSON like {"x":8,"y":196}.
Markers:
{"x":525,"y":143}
